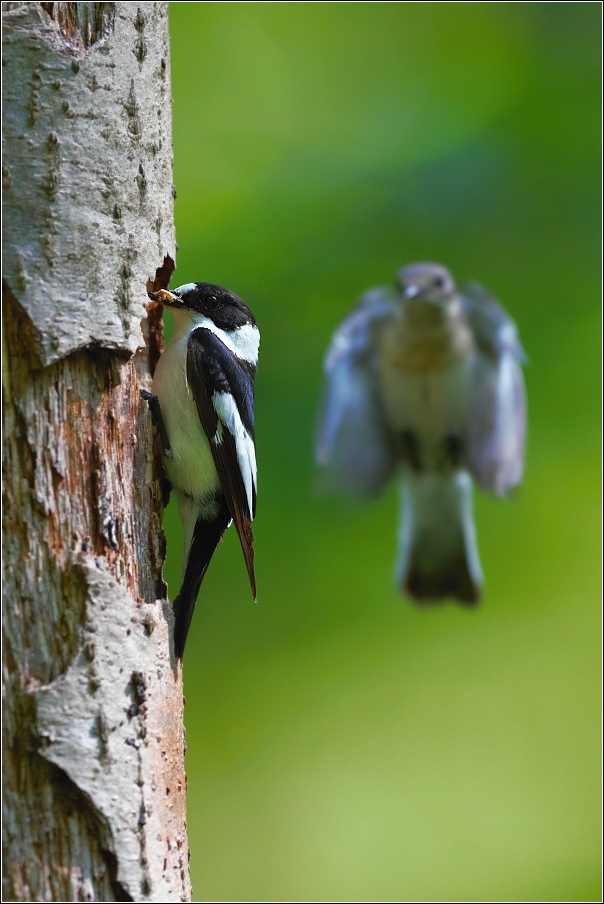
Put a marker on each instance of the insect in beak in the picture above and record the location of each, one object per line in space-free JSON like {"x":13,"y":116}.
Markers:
{"x":162,"y":296}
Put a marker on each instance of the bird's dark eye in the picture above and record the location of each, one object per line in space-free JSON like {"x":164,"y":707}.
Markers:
{"x":439,"y":282}
{"x":212,"y":302}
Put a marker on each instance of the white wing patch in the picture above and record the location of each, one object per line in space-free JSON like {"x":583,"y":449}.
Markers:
{"x":226,"y":409}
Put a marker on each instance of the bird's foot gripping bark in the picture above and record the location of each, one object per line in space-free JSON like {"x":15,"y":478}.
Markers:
{"x":158,"y":420}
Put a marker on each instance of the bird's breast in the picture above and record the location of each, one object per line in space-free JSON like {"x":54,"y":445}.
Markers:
{"x":191,"y":467}
{"x":424,"y":373}
{"x":426,"y":338}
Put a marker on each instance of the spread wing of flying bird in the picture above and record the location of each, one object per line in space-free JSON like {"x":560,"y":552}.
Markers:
{"x":497,"y":420}
{"x":353,"y":448}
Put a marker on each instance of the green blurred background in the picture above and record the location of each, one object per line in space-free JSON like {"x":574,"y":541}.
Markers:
{"x":341,"y":744}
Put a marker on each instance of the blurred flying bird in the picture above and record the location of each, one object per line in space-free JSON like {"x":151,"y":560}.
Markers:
{"x":424,"y":382}
{"x":202,"y":402}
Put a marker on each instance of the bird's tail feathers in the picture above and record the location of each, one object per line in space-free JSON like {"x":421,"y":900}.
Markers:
{"x":206,"y":537}
{"x":438,"y":554}
{"x":243,"y":525}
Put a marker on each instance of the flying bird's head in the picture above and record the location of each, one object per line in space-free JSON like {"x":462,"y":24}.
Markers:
{"x":225,"y":309}
{"x":426,"y":282}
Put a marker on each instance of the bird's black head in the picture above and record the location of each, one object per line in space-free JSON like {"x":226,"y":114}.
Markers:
{"x":219,"y":305}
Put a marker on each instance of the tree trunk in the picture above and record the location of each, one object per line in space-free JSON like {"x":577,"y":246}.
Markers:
{"x":94,"y":784}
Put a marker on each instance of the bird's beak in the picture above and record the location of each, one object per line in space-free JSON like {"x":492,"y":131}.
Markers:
{"x":411,"y":291}
{"x":162,"y":296}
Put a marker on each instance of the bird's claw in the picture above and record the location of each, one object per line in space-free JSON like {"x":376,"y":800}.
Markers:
{"x":158,"y":420}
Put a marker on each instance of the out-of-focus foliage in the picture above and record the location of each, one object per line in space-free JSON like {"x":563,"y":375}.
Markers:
{"x":341,"y":744}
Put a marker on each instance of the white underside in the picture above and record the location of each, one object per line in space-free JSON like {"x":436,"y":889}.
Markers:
{"x":191,"y":468}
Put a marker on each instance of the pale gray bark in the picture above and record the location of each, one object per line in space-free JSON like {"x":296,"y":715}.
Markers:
{"x":93,"y":743}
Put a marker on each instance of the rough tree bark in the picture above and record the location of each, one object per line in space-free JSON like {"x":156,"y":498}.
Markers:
{"x":94,"y":787}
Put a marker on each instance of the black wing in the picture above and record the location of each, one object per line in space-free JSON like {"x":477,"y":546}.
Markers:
{"x":223,"y":389}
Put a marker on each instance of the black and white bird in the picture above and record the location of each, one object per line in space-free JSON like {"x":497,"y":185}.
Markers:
{"x":202,"y":402}
{"x":425,"y":383}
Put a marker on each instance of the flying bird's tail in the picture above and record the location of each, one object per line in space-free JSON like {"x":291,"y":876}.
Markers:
{"x":206,"y":537}
{"x":438,"y":555}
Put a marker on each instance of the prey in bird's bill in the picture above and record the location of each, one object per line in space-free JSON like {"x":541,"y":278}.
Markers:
{"x":202,"y":402}
{"x":424,"y":383}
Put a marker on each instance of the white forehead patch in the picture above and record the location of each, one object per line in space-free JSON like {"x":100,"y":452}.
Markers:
{"x":188,"y":287}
